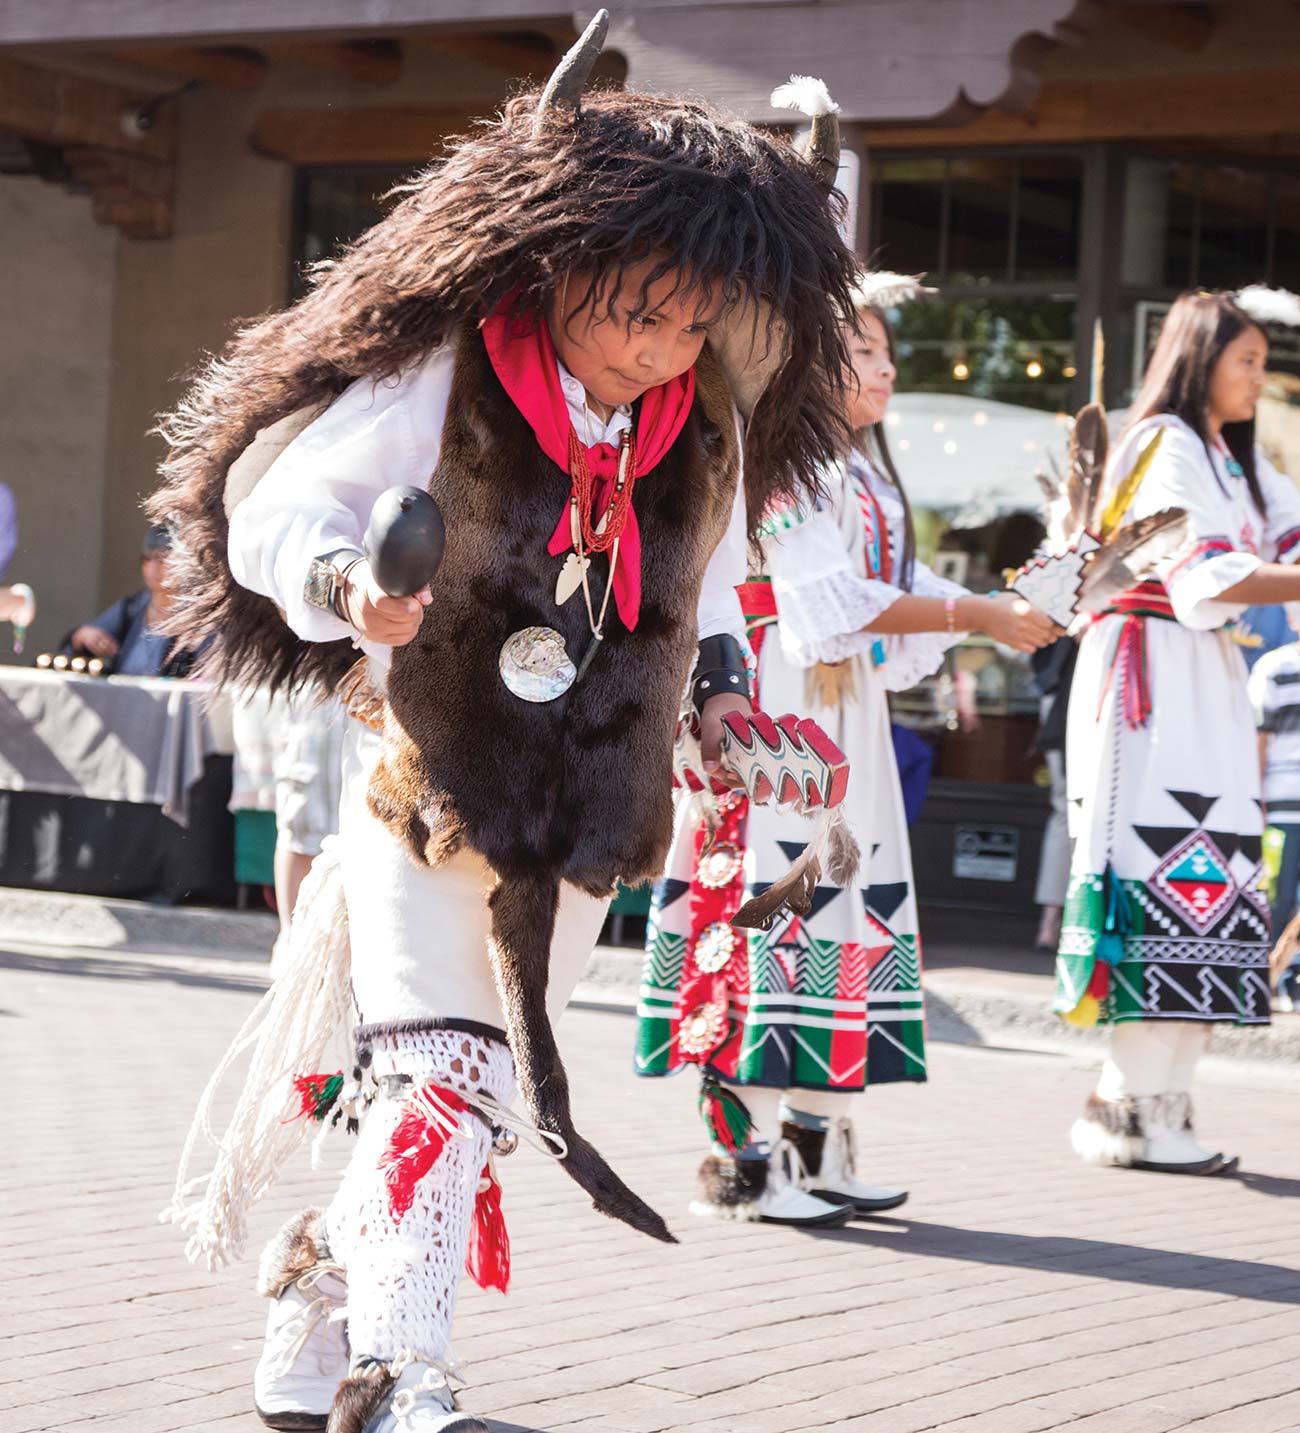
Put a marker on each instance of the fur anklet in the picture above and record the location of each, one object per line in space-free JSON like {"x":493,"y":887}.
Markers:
{"x":729,"y":1188}
{"x":296,"y":1248}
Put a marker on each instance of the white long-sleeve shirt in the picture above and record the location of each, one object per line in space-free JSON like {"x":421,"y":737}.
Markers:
{"x":316,"y":497}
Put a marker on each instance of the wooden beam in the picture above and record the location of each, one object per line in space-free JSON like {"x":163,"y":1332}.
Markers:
{"x":230,"y":67}
{"x":1169,"y":107}
{"x":130,"y":193}
{"x":520,"y":55}
{"x":59,"y":108}
{"x":395,"y":134}
{"x":367,"y":62}
{"x":1189,"y":27}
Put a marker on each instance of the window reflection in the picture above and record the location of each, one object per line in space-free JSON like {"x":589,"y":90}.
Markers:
{"x":979,"y":219}
{"x":336,"y":205}
{"x":1049,"y":208}
{"x":907,"y":209}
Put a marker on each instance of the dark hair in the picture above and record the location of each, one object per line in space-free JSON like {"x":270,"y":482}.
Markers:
{"x":1196,"y":330}
{"x":510,"y":209}
{"x":157,"y":540}
{"x":871,"y":440}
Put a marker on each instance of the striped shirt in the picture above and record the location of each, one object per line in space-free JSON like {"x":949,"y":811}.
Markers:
{"x":1275,"y":695}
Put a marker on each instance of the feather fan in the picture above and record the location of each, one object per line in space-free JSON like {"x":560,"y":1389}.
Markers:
{"x":1088,"y":446}
{"x":1090,"y":556}
{"x":1131,"y":556}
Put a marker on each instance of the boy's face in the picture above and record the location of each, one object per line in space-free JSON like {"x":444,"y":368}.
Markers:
{"x":622,"y":347}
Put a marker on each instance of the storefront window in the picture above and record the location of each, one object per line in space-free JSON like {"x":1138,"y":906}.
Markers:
{"x":1016,"y":350}
{"x":981,"y":195}
{"x":907,"y":212}
{"x":1208,"y":224}
{"x":987,"y":371}
{"x":1234,"y":226}
{"x":1049,"y":212}
{"x":1285,"y":245}
{"x":979,"y":219}
{"x":334,"y":206}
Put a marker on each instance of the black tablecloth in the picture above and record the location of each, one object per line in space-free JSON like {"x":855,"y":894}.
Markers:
{"x":122,"y":848}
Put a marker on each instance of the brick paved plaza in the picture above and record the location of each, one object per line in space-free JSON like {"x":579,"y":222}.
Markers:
{"x":1019,"y":1292}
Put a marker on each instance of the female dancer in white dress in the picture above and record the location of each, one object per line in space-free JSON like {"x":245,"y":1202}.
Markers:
{"x":1166,"y":928}
{"x":823,"y":1005}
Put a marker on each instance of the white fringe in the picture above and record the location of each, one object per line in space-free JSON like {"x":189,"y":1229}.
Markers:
{"x":301,"y":1026}
{"x":806,"y":94}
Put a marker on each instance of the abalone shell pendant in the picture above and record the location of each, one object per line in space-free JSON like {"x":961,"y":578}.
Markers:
{"x":535,"y":665}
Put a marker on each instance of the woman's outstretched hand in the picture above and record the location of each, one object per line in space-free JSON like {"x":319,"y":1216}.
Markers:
{"x":1013,"y":622}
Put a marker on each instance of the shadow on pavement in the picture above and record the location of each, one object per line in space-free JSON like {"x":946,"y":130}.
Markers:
{"x":118,"y":967}
{"x":1088,"y":1258}
{"x":1269,"y":1184}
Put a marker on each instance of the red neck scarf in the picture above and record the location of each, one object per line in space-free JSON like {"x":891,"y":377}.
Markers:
{"x":524,"y":358}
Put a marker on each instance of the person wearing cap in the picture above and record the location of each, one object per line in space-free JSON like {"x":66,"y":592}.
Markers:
{"x":125,"y":637}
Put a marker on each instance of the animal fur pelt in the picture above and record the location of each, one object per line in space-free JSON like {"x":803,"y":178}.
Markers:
{"x":591,"y":802}
{"x":291,"y":1253}
{"x":728,"y":1188}
{"x":577,"y":789}
{"x":359,"y":1398}
{"x":1109,"y":1132}
{"x":810,"y":1144}
{"x":507,"y":210}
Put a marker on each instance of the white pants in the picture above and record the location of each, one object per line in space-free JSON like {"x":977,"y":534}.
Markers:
{"x":1152,"y":1057}
{"x":420,"y":934}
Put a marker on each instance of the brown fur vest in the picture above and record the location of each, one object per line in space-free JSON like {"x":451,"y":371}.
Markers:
{"x":579,"y":787}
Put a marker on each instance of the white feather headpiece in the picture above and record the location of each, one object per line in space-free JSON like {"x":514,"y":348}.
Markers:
{"x":1267,"y":305}
{"x":807,"y":95}
{"x":880,"y":288}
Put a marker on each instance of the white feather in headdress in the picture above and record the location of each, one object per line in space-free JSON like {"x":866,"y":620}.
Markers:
{"x":883,"y":289}
{"x":806,"y":94}
{"x":1267,"y":305}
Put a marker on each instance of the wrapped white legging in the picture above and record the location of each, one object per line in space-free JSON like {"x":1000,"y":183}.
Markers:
{"x":765,"y":1106}
{"x":403,"y":1277}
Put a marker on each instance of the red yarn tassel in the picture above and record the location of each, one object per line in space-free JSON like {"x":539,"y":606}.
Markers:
{"x":488,"y":1260}
{"x":412,"y":1151}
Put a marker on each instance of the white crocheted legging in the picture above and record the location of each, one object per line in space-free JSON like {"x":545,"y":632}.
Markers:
{"x":403,"y":1278}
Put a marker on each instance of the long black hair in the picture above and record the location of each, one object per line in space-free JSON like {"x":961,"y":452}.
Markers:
{"x":1196,"y":330}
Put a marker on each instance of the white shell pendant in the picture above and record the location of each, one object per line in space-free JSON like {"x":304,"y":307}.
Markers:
{"x":570,"y":578}
{"x":535,"y":665}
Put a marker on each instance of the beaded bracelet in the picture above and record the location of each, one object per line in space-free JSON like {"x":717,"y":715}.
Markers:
{"x":950,"y":615}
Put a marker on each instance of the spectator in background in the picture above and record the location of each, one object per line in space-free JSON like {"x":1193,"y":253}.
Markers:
{"x":1275,"y":695}
{"x":1053,"y":672}
{"x":8,"y":527}
{"x":1260,"y":630}
{"x":126,"y":637}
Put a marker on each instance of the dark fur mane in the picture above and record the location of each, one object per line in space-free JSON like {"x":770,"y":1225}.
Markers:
{"x":507,"y":209}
